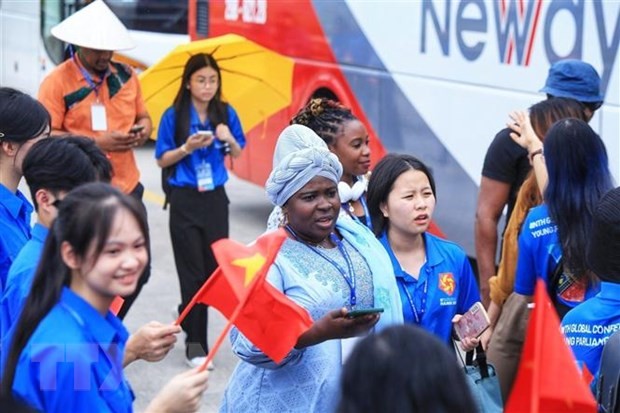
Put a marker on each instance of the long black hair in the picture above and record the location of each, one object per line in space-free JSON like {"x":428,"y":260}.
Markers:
{"x":579,"y":176}
{"x":403,"y":369}
{"x":85,"y":218}
{"x":21,"y":117}
{"x":217,"y":111}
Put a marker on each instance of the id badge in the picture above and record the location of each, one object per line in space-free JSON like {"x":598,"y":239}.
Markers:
{"x":98,"y":117}
{"x":204,"y":175}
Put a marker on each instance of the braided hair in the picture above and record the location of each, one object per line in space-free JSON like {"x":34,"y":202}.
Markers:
{"x":324,"y":116}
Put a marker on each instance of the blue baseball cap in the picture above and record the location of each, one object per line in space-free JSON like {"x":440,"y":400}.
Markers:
{"x":573,"y":79}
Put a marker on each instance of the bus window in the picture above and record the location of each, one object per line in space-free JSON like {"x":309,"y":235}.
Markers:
{"x":52,"y":13}
{"x":162,"y":16}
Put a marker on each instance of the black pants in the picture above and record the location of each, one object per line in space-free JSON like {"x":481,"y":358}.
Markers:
{"x":197,"y":220}
{"x":137,"y":193}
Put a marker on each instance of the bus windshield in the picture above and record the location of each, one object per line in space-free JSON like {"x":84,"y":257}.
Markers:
{"x":162,"y":16}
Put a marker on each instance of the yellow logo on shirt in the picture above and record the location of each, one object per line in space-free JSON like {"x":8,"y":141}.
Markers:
{"x":447,"y":283}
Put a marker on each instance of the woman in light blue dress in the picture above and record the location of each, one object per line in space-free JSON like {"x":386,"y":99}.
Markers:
{"x":329,"y":269}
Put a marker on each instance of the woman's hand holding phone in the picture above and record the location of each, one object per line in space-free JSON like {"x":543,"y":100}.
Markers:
{"x":363,"y":312}
{"x":335,"y":325}
{"x":200,"y":139}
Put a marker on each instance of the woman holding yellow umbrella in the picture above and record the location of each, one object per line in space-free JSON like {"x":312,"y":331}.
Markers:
{"x":195,"y":135}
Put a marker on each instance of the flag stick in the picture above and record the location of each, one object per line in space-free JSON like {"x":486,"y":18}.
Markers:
{"x":217,"y":345}
{"x":231,"y":320}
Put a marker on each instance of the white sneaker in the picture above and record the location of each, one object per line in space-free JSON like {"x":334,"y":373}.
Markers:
{"x":199,"y":361}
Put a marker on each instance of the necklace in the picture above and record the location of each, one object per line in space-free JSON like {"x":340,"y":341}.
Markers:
{"x":348,"y":275}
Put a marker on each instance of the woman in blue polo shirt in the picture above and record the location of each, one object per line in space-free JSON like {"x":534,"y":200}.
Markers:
{"x":554,"y":236}
{"x":67,"y":350}
{"x":23,"y":121}
{"x":434,"y":277}
{"x":194,"y":137}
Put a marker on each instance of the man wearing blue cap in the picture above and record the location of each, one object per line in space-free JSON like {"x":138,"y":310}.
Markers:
{"x":506,"y":164}
{"x":574,"y":79}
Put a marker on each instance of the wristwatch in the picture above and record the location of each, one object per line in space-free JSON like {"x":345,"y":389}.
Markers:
{"x":534,"y":153}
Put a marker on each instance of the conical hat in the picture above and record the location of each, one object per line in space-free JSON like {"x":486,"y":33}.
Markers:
{"x":95,"y":27}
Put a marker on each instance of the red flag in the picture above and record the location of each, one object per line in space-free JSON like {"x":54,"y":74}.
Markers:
{"x":548,"y":379}
{"x":269,"y":319}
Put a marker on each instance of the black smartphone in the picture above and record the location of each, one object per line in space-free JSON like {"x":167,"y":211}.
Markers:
{"x":136,"y":128}
{"x":363,"y":312}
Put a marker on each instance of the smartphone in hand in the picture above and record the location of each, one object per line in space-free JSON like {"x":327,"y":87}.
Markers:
{"x":136,"y":128}
{"x":205,"y":134}
{"x":363,"y":312}
{"x":473,"y":323}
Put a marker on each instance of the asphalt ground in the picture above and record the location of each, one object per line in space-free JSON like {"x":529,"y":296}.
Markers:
{"x":249,"y":209}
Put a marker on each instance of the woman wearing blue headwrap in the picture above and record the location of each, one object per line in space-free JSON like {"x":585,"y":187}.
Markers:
{"x":328,"y":268}
{"x":292,"y":139}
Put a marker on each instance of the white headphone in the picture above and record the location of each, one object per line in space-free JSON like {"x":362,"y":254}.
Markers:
{"x":348,"y":193}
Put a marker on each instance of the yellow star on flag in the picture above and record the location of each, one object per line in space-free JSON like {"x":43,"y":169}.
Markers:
{"x":251,"y":264}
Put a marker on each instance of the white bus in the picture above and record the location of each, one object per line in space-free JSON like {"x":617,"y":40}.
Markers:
{"x":28,"y":50}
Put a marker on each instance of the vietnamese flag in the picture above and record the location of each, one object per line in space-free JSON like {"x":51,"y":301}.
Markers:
{"x":239,"y":290}
{"x":548,"y":379}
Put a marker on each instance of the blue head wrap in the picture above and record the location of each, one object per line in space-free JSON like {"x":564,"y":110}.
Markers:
{"x":297,"y":169}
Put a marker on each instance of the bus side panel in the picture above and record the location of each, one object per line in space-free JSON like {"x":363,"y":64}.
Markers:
{"x":445,"y":106}
{"x":20,"y":66}
{"x":437,"y":79}
{"x":315,"y":68}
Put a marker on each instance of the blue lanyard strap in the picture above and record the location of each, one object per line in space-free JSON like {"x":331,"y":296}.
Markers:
{"x":366,"y":212}
{"x":349,"y":275}
{"x":349,"y":209}
{"x":417,"y":315}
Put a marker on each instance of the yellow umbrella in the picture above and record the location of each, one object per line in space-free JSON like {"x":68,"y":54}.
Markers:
{"x":256,"y":81}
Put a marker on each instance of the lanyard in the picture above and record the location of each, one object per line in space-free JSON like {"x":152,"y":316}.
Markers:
{"x":91,"y":82}
{"x":349,"y":208}
{"x":366,"y":212}
{"x":418,"y":315}
{"x":349,"y":275}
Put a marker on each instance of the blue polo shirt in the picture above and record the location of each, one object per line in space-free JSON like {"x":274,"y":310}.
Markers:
{"x":540,"y":252}
{"x":73,"y":362}
{"x":15,"y":212}
{"x":185,"y":171}
{"x":445,"y":287}
{"x":588,"y":326}
{"x":20,"y":278}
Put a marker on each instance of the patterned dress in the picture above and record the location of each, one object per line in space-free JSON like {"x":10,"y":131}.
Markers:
{"x":307,"y":379}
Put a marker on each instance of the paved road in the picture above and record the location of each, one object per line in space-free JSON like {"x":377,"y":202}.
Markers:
{"x":249,"y":208}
